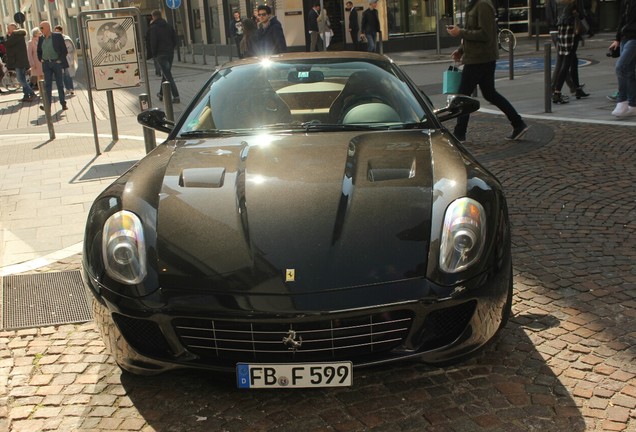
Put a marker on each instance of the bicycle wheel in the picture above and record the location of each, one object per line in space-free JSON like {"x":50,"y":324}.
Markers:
{"x":505,"y":37}
{"x":10,"y":82}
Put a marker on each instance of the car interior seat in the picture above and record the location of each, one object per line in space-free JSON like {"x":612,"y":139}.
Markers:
{"x":362,"y":87}
{"x":255,"y":105}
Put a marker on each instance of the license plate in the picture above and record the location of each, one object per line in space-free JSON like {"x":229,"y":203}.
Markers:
{"x":297,"y":375}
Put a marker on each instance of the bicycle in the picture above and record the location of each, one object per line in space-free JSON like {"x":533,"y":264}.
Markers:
{"x":10,"y":80}
{"x":505,"y":36}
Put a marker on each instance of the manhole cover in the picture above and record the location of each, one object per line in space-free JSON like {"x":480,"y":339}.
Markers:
{"x":41,"y":299}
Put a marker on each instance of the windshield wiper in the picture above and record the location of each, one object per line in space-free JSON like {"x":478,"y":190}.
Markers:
{"x":415,"y":125}
{"x":317,"y":126}
{"x":208,"y":133}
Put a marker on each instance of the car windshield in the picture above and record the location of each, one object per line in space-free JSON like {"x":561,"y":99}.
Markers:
{"x":308,"y":95}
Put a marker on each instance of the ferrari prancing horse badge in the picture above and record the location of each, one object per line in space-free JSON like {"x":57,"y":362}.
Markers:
{"x":290,"y":275}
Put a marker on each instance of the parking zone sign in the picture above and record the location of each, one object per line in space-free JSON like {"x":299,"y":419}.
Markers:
{"x":113,"y":53}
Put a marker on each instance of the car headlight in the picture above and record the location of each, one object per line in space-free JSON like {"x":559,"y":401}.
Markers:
{"x":463,"y":235}
{"x":124,"y":248}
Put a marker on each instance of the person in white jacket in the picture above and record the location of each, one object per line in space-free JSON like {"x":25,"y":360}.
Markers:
{"x":324,"y":27}
{"x":71,"y":57}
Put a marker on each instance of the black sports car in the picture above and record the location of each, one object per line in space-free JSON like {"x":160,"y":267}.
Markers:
{"x":307,"y":214}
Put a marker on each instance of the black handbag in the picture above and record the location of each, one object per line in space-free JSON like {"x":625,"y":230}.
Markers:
{"x":614,"y":53}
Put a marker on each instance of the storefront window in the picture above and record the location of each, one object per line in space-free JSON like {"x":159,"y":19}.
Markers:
{"x":215,"y":28}
{"x":416,"y":16}
{"x":513,"y":14}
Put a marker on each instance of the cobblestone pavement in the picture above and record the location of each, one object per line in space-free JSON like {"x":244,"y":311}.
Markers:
{"x":565,"y":362}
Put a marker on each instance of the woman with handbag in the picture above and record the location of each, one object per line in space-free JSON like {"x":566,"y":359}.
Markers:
{"x":479,"y":51}
{"x":570,"y":28}
{"x":626,"y":64}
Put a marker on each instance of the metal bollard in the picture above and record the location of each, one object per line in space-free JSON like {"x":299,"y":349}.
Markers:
{"x":381,"y":51}
{"x":47,"y":108}
{"x":149,"y":134}
{"x":166,"y":90}
{"x":511,"y":59}
{"x":193,"y":59}
{"x":547,"y":76}
{"x":216,"y":56}
{"x":112,"y":114}
{"x":185,"y":59}
{"x":205,"y":62}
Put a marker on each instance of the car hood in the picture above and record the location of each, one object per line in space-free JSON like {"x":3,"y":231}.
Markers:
{"x":295,"y":213}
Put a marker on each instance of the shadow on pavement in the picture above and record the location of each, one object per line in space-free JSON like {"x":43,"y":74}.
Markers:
{"x":507,"y":387}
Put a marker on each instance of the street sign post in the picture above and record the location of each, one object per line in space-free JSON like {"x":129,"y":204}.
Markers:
{"x":19,"y":18}
{"x":115,"y":58}
{"x":173,"y":4}
{"x":113,"y":53}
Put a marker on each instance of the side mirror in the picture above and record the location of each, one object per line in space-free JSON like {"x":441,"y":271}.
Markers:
{"x":457,"y":105}
{"x":155,"y":119}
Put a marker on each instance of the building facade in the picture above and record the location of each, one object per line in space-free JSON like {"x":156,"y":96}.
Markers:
{"x":406,"y":24}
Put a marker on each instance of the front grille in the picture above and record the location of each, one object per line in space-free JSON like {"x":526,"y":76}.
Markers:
{"x":334,"y":339}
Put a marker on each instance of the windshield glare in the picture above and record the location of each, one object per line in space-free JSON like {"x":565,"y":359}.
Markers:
{"x":255,"y":96}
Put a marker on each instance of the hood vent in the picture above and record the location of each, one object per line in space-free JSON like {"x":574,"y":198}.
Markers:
{"x":202,"y":177}
{"x":383,"y":170}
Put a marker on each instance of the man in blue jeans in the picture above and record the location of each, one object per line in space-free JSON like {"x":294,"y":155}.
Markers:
{"x":162,"y":40}
{"x":626,"y":64}
{"x":370,"y":25}
{"x":52,"y":53}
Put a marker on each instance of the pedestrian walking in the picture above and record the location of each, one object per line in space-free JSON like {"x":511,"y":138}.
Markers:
{"x":71,"y":59}
{"x":271,"y":38}
{"x":370,"y":25}
{"x":324,"y":27}
{"x":249,"y":40}
{"x":479,"y":51}
{"x":162,"y":40}
{"x":354,"y":25}
{"x":315,"y":41}
{"x":2,"y":72}
{"x":626,"y":64}
{"x":17,"y":58}
{"x":553,"y":10}
{"x":35,"y":64}
{"x":235,"y":31}
{"x":567,"y":44}
{"x":52,"y":53}
{"x":3,"y":48}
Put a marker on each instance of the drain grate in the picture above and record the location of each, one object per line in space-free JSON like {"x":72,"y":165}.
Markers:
{"x":41,"y":299}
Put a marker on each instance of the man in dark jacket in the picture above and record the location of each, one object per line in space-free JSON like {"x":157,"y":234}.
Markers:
{"x":235,"y":31}
{"x":162,"y":40}
{"x":52,"y":53}
{"x":271,"y":39}
{"x":479,"y":51}
{"x":354,"y":26}
{"x":18,"y":59}
{"x":370,"y":24}
{"x":315,"y":43}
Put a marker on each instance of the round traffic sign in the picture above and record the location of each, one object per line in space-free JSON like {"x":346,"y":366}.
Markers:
{"x":173,"y":4}
{"x":19,"y":17}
